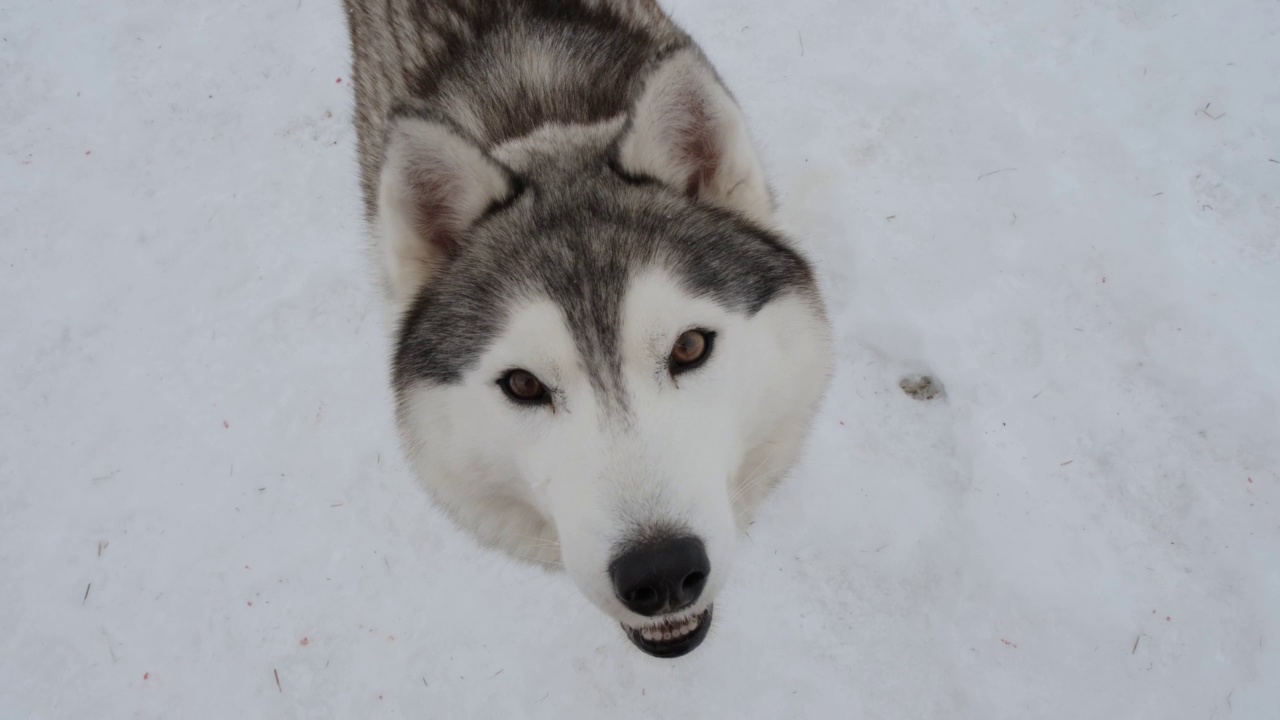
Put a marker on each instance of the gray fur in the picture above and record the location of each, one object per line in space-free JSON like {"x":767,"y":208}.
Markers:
{"x":558,"y":78}
{"x":575,"y":234}
{"x":498,"y":68}
{"x":579,"y":165}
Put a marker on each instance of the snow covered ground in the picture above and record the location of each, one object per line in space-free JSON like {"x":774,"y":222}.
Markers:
{"x":1068,"y":212}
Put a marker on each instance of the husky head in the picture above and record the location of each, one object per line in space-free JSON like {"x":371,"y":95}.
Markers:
{"x":606,"y":358}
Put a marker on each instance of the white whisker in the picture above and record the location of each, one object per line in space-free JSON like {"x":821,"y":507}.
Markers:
{"x":752,"y":479}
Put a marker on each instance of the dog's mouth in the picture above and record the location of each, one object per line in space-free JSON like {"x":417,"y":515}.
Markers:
{"x":671,"y":637}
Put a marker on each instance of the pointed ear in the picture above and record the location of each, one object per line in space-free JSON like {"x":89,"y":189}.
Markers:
{"x":435,"y":185}
{"x":687,"y":132}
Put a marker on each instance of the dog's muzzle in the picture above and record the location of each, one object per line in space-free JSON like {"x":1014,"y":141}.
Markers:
{"x":662,"y":579}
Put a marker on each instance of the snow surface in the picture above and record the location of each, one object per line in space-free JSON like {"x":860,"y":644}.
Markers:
{"x":1068,"y":212}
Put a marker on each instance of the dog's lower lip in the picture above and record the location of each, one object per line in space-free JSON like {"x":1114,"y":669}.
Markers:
{"x":671,"y":640}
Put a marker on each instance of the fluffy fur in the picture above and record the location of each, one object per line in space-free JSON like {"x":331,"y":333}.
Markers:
{"x":564,"y":187}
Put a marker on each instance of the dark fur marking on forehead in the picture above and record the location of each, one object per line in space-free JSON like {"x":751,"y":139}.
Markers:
{"x":573,"y":230}
{"x":578,"y":245}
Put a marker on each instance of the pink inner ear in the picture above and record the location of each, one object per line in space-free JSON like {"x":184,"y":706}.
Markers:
{"x":696,"y":143}
{"x":434,"y":218}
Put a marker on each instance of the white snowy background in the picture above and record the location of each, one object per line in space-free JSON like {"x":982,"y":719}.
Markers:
{"x":1068,"y":212}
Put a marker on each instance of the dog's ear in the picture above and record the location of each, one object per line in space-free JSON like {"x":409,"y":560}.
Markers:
{"x":435,"y":185}
{"x":687,"y":132}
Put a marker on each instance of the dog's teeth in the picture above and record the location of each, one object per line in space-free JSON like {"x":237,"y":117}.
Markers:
{"x":670,"y":631}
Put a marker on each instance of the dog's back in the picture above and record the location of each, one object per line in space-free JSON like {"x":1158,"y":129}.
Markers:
{"x":498,"y":69}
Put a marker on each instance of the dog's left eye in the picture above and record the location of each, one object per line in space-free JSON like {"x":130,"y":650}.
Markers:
{"x":690,"y":350}
{"x":522,"y":387}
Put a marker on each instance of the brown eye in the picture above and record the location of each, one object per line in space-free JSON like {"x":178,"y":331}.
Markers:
{"x":522,"y":387}
{"x":690,"y":350}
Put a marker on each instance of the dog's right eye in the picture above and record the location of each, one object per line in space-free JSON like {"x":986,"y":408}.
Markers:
{"x":690,"y":351}
{"x":522,"y":387}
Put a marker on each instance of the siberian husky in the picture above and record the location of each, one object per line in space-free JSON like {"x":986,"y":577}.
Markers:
{"x":606,"y":355}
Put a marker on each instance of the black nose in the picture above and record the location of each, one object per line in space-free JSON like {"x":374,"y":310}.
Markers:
{"x":660,"y":576}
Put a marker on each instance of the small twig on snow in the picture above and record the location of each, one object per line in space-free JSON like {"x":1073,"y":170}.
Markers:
{"x":993,"y":172}
{"x":1211,"y":116}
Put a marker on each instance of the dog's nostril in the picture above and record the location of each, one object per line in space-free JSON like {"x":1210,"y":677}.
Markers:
{"x":642,"y":595}
{"x":660,"y":576}
{"x":693,"y":582}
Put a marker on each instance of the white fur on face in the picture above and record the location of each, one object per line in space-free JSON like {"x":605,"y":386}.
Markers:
{"x":567,"y":485}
